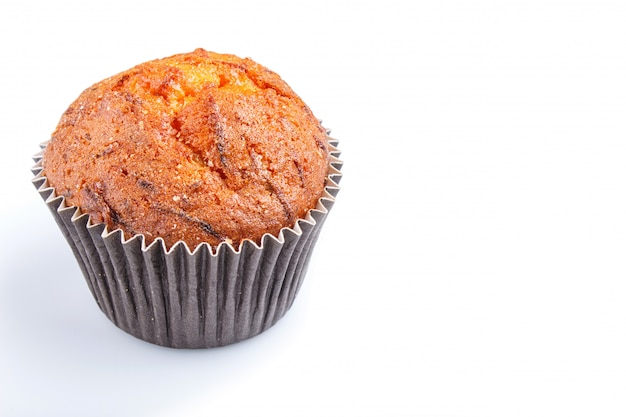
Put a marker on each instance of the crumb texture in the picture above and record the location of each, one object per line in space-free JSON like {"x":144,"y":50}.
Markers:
{"x":198,"y":147}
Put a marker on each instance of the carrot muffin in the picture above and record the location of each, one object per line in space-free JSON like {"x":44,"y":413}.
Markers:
{"x":191,"y":190}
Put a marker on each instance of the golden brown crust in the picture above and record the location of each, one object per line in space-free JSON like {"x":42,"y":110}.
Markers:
{"x":198,"y":147}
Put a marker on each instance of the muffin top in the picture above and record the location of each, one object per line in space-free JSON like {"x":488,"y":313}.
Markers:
{"x":196,"y":147}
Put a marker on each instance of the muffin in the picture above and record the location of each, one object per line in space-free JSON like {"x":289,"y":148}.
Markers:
{"x":191,"y":190}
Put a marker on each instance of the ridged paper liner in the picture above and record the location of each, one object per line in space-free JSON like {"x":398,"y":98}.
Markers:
{"x":178,"y":298}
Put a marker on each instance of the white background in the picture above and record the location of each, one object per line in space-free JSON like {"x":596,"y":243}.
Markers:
{"x":474,"y":264}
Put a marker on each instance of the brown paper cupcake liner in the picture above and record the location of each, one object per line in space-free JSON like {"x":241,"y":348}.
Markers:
{"x":178,"y":298}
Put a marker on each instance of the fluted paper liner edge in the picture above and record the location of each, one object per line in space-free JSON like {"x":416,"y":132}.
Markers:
{"x":208,"y":297}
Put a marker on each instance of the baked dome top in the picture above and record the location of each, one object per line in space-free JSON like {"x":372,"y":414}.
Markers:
{"x":196,"y":147}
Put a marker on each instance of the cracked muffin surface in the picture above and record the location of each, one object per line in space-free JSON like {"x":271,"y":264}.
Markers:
{"x":196,"y":147}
